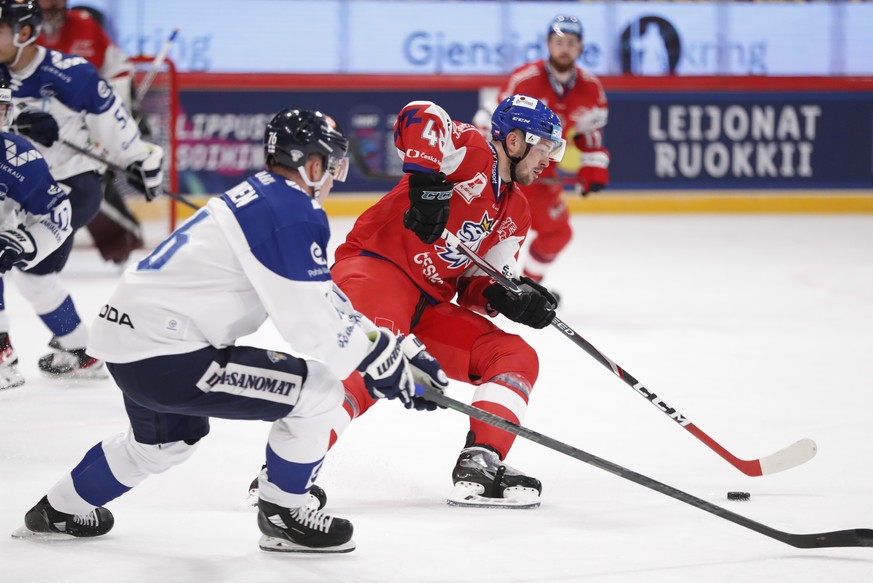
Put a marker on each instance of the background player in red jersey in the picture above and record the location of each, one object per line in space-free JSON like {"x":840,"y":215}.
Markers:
{"x":77,"y":32}
{"x":577,"y":97}
{"x":406,"y":279}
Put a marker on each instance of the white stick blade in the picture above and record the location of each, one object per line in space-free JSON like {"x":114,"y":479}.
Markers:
{"x":792,"y":456}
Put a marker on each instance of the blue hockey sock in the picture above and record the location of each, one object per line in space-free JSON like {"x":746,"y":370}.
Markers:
{"x":63,"y":319}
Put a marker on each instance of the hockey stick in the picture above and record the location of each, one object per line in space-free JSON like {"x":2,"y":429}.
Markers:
{"x":177,"y":197}
{"x":156,"y":64}
{"x":857,"y":537}
{"x":795,"y":454}
{"x":361,"y":163}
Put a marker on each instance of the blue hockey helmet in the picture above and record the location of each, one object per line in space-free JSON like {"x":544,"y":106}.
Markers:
{"x":534,"y":118}
{"x":18,"y":13}
{"x":563,"y":25}
{"x":293,"y":134}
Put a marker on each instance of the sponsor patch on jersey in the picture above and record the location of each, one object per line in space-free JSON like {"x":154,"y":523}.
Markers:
{"x":472,"y":189}
{"x":252,"y":382}
{"x":318,"y":254}
{"x":428,"y":269}
{"x":103,"y":89}
{"x":506,"y":229}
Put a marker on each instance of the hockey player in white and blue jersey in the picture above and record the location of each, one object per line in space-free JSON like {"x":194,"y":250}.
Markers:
{"x":34,"y":220}
{"x":60,"y":99}
{"x":168,"y":337}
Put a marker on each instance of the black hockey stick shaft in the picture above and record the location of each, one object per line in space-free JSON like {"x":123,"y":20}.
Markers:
{"x":857,"y":537}
{"x":789,"y":457}
{"x":118,"y":168}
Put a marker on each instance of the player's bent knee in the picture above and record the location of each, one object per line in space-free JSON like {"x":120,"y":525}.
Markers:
{"x":131,"y":461}
{"x":503,"y":353}
{"x":321,"y":393}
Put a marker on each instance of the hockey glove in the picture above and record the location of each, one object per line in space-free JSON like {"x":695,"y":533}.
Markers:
{"x":594,"y":173}
{"x":429,"y":197}
{"x":146,"y":175}
{"x":16,"y":247}
{"x":385,"y":371}
{"x":426,"y":371}
{"x":39,"y":126}
{"x":534,"y":306}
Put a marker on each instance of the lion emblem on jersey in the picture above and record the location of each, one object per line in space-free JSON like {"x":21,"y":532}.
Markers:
{"x":471,"y":234}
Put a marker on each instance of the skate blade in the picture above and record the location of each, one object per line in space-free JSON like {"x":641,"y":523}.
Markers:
{"x":280,"y":545}
{"x":469,"y":495}
{"x":23,"y":533}
{"x":79,"y":375}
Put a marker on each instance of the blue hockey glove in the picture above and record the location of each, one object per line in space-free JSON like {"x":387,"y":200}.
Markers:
{"x":16,"y":246}
{"x":146,"y":175}
{"x":39,"y":126}
{"x":534,"y":306}
{"x":426,"y":371}
{"x":385,"y":370}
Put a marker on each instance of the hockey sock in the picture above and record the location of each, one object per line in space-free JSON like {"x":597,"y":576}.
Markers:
{"x":506,"y":396}
{"x":63,"y":320}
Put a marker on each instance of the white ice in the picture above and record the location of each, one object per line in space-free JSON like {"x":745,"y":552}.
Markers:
{"x":758,"y":328}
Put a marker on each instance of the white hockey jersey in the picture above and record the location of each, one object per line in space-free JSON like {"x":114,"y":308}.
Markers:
{"x":88,"y":112}
{"x":258,"y":251}
{"x":30,"y":197}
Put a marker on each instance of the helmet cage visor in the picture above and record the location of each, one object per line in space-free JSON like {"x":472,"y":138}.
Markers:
{"x":338,"y":167}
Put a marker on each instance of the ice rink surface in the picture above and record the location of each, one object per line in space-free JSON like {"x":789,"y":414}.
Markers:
{"x":757,"y":328}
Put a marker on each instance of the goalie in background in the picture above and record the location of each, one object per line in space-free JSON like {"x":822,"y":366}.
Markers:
{"x":169,"y":333}
{"x":71,"y":103}
{"x":115,"y":229}
{"x":35,"y":220}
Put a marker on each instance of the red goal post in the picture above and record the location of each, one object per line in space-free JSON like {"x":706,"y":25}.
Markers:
{"x":159,"y":109}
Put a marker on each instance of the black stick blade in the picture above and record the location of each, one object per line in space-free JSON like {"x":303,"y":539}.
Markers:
{"x":856,"y":537}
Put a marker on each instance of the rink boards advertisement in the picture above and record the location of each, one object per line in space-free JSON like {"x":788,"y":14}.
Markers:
{"x":658,"y":140}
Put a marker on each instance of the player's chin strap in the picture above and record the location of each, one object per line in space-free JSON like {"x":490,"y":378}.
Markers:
{"x":514,"y":160}
{"x":21,"y":45}
{"x":315,"y":186}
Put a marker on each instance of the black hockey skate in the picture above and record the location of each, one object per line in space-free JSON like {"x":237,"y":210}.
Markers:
{"x":74,"y":363}
{"x":44,"y":521}
{"x":482,"y":480}
{"x":301,"y":530}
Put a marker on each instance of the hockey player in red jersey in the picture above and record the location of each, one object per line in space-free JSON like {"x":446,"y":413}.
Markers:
{"x":406,"y":279}
{"x":577,"y":98}
{"x":77,"y":32}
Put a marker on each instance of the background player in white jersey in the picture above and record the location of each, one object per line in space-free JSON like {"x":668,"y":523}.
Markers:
{"x":34,"y":219}
{"x":58,"y":99}
{"x":168,"y":334}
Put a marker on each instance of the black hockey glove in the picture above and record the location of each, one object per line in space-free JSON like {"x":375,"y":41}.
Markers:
{"x":534,"y":306}
{"x":16,"y":246}
{"x":429,"y":196}
{"x":39,"y":126}
{"x":426,"y":371}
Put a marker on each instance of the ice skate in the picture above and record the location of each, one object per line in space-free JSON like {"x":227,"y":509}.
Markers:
{"x":75,"y":363}
{"x":482,"y":480}
{"x":317,"y":496}
{"x":9,"y":375}
{"x":301,"y":530}
{"x":44,"y":522}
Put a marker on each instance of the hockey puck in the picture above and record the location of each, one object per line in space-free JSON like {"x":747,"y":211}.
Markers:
{"x":738,"y":496}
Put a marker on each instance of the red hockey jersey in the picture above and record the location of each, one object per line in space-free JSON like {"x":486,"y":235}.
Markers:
{"x":488,"y":215}
{"x":82,"y":35}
